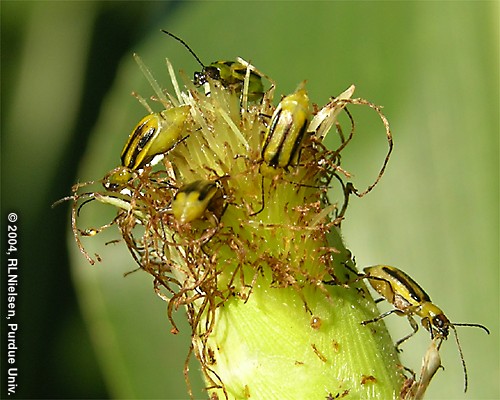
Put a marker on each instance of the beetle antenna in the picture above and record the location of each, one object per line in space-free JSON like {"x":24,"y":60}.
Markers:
{"x":475,"y":326}
{"x":185,"y":45}
{"x":85,"y":202}
{"x":461,"y":356}
{"x":452,"y":325}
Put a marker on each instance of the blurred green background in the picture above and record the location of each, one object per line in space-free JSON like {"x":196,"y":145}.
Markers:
{"x":67,"y":74}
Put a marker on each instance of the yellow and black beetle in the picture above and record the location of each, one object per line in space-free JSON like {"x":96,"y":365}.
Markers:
{"x":410,"y":299}
{"x":231,"y":74}
{"x":287,"y":128}
{"x":193,"y":199}
{"x":154,"y":135}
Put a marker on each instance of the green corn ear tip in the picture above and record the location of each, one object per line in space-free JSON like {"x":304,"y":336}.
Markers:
{"x":251,"y":271}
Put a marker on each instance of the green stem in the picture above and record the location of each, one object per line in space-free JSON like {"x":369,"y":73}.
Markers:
{"x":271,"y":347}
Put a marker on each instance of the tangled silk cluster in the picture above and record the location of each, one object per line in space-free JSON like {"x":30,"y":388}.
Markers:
{"x":240,"y":198}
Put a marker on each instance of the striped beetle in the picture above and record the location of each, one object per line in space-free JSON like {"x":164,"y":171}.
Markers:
{"x":231,"y":74}
{"x":154,"y":135}
{"x":410,"y":299}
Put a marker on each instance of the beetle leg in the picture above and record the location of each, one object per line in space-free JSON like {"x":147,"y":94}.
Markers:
{"x":383,"y":315}
{"x":414,"y":325}
{"x":262,"y":200}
